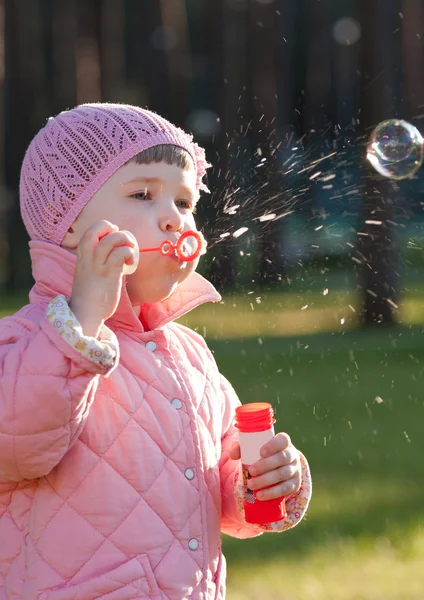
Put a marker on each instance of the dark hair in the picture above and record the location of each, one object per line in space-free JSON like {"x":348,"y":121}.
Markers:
{"x":168,"y":153}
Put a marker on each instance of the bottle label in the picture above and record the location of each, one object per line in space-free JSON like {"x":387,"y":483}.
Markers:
{"x":251,"y":444}
{"x":249,"y":495}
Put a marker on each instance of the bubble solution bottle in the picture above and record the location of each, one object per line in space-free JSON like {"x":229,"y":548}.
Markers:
{"x":255,"y":422}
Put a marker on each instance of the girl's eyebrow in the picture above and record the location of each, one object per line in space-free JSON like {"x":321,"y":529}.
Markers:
{"x":138,"y":180}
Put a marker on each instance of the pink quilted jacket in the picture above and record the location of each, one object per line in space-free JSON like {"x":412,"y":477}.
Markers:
{"x":115,"y":481}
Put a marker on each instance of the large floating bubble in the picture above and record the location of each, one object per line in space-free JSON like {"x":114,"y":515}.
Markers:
{"x":396,"y":149}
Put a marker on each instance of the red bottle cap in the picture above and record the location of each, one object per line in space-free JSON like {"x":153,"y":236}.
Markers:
{"x":256,"y":416}
{"x":261,"y":512}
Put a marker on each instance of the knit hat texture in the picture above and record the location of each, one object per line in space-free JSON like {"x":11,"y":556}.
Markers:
{"x":75,"y":154}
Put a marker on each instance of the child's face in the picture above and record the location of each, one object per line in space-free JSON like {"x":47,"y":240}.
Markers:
{"x":155,"y":203}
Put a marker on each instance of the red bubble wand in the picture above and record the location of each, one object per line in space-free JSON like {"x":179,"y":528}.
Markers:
{"x":182,"y":248}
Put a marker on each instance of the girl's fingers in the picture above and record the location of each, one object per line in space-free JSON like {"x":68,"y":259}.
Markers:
{"x":111,"y":242}
{"x":120,"y":256}
{"x":90,"y":239}
{"x":276,"y":476}
{"x":279,"y":442}
{"x":282,"y":458}
{"x":234,"y":452}
{"x":286,"y":488}
{"x":131,"y":263}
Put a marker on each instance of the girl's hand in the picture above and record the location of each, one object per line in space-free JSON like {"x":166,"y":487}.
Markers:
{"x":99,"y":273}
{"x":279,"y":467}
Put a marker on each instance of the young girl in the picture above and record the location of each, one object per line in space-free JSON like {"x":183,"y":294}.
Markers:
{"x":119,"y":460}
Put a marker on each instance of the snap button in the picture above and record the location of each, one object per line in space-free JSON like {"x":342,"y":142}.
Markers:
{"x":189,"y":473}
{"x":193,"y":544}
{"x":176,"y":403}
{"x":151,"y":346}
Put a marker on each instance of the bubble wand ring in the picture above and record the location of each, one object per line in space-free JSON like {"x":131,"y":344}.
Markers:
{"x":167,"y":248}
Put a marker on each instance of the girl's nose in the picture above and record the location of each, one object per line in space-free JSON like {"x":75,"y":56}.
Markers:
{"x":171,"y":220}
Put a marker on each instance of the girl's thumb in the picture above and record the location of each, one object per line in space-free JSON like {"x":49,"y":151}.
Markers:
{"x":234,"y":452}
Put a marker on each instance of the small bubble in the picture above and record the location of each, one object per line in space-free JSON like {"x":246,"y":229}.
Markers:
{"x":395,"y":149}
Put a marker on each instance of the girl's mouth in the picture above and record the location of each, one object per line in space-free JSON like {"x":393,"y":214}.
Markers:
{"x":174,"y":256}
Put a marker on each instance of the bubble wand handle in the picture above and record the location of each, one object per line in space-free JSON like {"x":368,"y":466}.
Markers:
{"x":183,"y":250}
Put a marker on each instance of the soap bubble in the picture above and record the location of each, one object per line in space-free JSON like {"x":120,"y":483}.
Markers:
{"x":395,"y":149}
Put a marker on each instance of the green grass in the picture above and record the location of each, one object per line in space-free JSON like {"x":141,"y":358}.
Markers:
{"x":363,"y":538}
{"x":364,"y":534}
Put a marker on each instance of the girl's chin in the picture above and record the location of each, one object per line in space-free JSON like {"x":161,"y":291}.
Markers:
{"x":148,"y":291}
{"x":152,"y":296}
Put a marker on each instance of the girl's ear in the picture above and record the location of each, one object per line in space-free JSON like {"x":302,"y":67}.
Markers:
{"x":71,"y":239}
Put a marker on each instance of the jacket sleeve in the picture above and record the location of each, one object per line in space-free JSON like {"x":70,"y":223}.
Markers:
{"x":232,"y":489}
{"x":49,"y":372}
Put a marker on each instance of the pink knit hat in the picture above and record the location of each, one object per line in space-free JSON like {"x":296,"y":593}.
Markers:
{"x":78,"y":150}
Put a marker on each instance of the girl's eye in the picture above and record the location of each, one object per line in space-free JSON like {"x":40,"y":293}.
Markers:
{"x":186,"y":204}
{"x":142,"y":195}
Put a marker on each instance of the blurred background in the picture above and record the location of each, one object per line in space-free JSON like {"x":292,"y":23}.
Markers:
{"x":319,"y":258}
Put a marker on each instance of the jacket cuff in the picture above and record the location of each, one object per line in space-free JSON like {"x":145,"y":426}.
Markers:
{"x":296,"y":505}
{"x":102,"y":351}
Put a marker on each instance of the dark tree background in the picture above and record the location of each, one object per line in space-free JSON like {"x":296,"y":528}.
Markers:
{"x":252,"y":79}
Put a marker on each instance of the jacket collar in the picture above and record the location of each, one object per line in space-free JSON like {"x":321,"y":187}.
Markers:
{"x":53,"y":269}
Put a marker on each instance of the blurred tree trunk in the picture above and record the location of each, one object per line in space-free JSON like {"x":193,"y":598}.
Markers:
{"x":318,"y":118}
{"x":412,"y":28}
{"x":290,"y":69}
{"x":381,"y":89}
{"x":412,"y":32}
{"x":112,"y":50}
{"x":63,"y":26}
{"x":88,"y":51}
{"x":2,"y":90}
{"x":23,"y":95}
{"x":177,"y":53}
{"x":225,"y":42}
{"x":4,"y":195}
{"x":139,"y":27}
{"x":262,"y":63}
{"x":289,"y":65}
{"x":152,"y":64}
